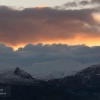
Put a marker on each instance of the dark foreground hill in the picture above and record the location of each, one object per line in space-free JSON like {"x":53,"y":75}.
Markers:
{"x":44,"y":92}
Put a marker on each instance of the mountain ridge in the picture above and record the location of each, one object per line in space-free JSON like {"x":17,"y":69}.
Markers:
{"x":15,"y":76}
{"x":75,"y":87}
{"x":54,"y":69}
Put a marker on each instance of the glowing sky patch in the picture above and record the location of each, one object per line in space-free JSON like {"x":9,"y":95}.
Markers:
{"x":96,"y":16}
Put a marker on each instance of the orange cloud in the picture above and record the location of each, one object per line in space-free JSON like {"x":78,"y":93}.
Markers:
{"x":47,"y":25}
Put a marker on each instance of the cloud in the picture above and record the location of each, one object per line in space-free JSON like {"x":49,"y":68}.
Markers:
{"x":70,"y":4}
{"x":42,"y":53}
{"x":83,"y":3}
{"x":48,"y":25}
{"x":95,"y":1}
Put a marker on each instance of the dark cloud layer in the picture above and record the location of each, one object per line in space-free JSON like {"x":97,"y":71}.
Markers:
{"x":47,"y":25}
{"x":41,"y":53}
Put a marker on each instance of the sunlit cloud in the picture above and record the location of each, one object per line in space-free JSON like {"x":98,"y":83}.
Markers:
{"x":49,"y":25}
{"x":96,"y":16}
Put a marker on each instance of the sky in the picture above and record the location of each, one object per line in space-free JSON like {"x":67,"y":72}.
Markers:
{"x":33,"y":3}
{"x":39,"y":31}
